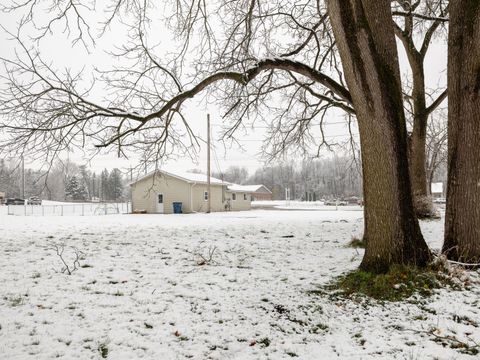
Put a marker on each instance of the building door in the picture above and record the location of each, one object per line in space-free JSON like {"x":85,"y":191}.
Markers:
{"x":160,"y":203}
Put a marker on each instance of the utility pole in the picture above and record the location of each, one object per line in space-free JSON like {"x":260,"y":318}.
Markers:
{"x":208,"y":164}
{"x":23,"y":177}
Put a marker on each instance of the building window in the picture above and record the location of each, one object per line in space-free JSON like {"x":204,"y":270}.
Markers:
{"x":244,"y":196}
{"x":234,"y":196}
{"x":205,"y":195}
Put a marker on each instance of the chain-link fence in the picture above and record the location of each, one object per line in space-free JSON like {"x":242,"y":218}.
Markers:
{"x":80,"y":209}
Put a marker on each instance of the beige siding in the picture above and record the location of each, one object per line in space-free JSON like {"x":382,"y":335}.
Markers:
{"x":199,"y":203}
{"x":144,"y":193}
{"x":240,"y":203}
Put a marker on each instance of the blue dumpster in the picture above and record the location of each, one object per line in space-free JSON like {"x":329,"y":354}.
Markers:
{"x":177,"y":207}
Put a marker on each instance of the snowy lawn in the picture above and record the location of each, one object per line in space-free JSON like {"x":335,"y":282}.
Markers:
{"x":303,"y":205}
{"x":141,"y":293}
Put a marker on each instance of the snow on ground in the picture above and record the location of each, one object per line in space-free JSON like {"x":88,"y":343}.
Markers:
{"x":140,"y":292}
{"x":302,"y":205}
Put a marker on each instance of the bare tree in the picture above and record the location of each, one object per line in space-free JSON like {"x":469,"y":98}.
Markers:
{"x":365,"y":37}
{"x":417,"y":22}
{"x":48,"y":111}
{"x":462,"y":219}
{"x":436,"y":152}
{"x":233,"y":174}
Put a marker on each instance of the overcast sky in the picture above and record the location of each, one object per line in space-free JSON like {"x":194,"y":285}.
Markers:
{"x":58,"y":48}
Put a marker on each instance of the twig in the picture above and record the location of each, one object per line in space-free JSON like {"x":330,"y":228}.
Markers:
{"x":59,"y":249}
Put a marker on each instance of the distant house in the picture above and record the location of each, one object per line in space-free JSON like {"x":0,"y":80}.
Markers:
{"x":2,"y":198}
{"x":157,"y":192}
{"x":437,"y":189}
{"x":258,"y":192}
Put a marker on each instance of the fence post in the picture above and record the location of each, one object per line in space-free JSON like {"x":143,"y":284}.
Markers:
{"x":61,"y":208}
{"x":83,"y":210}
{"x":43,"y":210}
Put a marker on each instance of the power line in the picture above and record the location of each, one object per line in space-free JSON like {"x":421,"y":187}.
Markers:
{"x":326,"y":137}
{"x":273,"y":127}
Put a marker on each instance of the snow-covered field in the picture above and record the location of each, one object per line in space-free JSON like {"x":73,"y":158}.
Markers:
{"x":141,"y":293}
{"x":303,"y":205}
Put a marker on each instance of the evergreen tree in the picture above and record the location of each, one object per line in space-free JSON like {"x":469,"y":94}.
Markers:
{"x":93,"y":185}
{"x":9,"y":180}
{"x":116,"y":184}
{"x":71,"y":187}
{"x":74,"y":189}
{"x":104,"y":185}
{"x":85,"y":180}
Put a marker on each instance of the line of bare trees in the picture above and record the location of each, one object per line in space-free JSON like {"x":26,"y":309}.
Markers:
{"x":307,"y":180}
{"x":283,"y":63}
{"x":66,"y":180}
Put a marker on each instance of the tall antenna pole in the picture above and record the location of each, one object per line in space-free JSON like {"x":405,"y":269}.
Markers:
{"x":208,"y":164}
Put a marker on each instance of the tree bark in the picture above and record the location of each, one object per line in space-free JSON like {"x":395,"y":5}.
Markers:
{"x":419,"y":134}
{"x":365,"y":37}
{"x":462,"y":223}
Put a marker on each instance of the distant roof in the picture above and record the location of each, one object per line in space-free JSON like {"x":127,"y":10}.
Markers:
{"x":186,"y":176}
{"x":247,"y":188}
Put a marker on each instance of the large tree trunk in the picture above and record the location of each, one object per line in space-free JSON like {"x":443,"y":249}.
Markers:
{"x":462,"y":223}
{"x":365,"y":37}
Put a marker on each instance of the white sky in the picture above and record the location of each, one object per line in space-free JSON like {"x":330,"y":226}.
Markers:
{"x":64,"y":54}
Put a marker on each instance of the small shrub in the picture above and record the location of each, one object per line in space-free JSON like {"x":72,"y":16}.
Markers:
{"x":75,"y":264}
{"x":424,"y":208}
